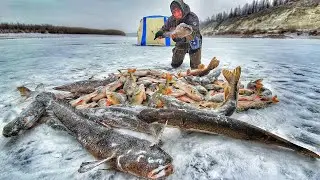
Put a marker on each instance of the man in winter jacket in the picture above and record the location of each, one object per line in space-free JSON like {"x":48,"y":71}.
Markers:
{"x":191,"y":44}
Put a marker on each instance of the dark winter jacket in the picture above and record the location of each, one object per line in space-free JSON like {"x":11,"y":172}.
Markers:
{"x":189,"y":18}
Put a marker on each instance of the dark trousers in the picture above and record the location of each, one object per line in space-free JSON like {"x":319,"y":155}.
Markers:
{"x":179,"y":54}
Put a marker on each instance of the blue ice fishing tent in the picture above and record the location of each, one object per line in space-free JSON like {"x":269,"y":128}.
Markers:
{"x":148,"y":27}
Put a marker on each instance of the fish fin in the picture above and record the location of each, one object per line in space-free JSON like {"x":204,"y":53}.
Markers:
{"x":237,"y":74}
{"x":232,"y":77}
{"x":106,"y":169}
{"x":226,"y":92}
{"x":24,"y":91}
{"x":87,"y":166}
{"x":104,"y":124}
{"x":258,"y":81}
{"x":188,"y":72}
{"x":144,"y":95}
{"x":201,"y":66}
{"x":213,"y":63}
{"x":40,"y":88}
{"x":228,"y":75}
{"x":158,"y":131}
{"x":55,"y":123}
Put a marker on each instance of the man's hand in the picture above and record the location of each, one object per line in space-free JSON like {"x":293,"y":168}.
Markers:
{"x":173,"y":36}
{"x":189,"y":37}
{"x":159,"y":34}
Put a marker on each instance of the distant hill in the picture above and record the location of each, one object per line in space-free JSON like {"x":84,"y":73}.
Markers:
{"x":131,"y":34}
{"x":50,"y":29}
{"x":269,"y":18}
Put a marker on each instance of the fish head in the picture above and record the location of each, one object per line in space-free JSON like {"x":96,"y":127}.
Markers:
{"x":151,"y":162}
{"x":258,"y":81}
{"x":45,"y":97}
{"x":113,"y":98}
{"x":255,"y":84}
{"x":132,"y":70}
{"x":138,"y":90}
{"x":251,"y":85}
{"x":122,"y":79}
{"x":275,"y":99}
{"x":121,"y":91}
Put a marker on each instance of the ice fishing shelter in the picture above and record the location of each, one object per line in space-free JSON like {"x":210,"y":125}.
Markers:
{"x":148,"y":27}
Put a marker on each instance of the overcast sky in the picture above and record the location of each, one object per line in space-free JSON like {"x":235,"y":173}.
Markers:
{"x":117,"y":14}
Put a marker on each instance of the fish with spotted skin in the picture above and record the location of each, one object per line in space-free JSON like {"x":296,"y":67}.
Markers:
{"x":86,"y":86}
{"x":122,"y":117}
{"x":120,"y":151}
{"x":211,"y":123}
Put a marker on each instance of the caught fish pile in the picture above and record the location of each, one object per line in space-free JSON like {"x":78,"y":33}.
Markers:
{"x":147,"y":101}
{"x":199,"y":89}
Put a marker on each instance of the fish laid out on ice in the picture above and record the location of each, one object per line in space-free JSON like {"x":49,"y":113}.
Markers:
{"x":120,"y":151}
{"x":211,"y":123}
{"x":86,"y":86}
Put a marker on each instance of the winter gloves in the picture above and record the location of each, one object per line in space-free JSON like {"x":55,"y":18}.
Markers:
{"x":158,"y":34}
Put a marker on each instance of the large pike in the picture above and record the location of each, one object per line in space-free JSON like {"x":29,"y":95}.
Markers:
{"x":122,"y":152}
{"x":124,"y":117}
{"x":199,"y":121}
{"x":86,"y":86}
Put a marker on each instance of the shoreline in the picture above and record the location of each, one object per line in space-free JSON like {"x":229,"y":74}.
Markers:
{"x":263,"y":36}
{"x":48,"y":35}
{"x":253,"y":36}
{"x":19,"y":28}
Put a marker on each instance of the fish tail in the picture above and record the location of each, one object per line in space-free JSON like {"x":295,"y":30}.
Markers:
{"x":233,"y":78}
{"x":24,"y":91}
{"x":213,"y":63}
{"x":157,"y":131}
{"x":307,"y":152}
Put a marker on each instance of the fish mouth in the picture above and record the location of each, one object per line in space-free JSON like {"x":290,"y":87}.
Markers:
{"x":161,"y":172}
